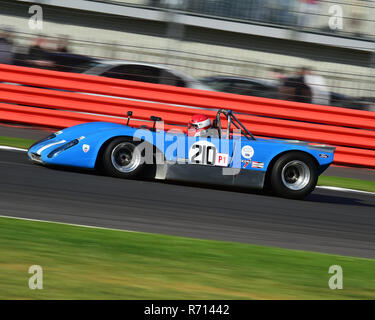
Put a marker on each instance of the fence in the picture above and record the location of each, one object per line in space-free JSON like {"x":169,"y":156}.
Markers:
{"x":84,"y":98}
{"x":357,"y":15}
{"x":204,"y":61}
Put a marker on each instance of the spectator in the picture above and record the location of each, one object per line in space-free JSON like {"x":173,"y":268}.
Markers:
{"x":357,"y":17}
{"x":276,"y":77}
{"x":6,"y":45}
{"x":287,"y":12}
{"x":319,"y":90}
{"x":308,"y":13}
{"x":61,"y":56}
{"x":282,"y":11}
{"x":62,"y":44}
{"x":295,"y":88}
{"x":39,"y":55}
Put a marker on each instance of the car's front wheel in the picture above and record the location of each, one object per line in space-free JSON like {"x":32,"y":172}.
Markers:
{"x":294,"y":175}
{"x":122,"y":158}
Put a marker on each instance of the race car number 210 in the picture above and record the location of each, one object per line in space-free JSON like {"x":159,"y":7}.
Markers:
{"x":205,"y":153}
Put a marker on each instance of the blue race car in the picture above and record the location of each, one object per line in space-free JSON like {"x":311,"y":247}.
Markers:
{"x":230,"y":156}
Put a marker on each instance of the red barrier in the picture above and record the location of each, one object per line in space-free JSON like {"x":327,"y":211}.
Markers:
{"x":352,"y":131}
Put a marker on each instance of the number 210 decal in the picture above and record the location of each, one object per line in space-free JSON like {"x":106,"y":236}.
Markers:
{"x":205,"y":153}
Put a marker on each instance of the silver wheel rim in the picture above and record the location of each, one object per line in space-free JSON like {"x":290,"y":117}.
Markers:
{"x":126,"y":157}
{"x":295,"y":175}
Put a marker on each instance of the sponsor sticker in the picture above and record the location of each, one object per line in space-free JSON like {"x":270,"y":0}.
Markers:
{"x":222,"y":159}
{"x":257,"y":165}
{"x":246,"y":163}
{"x":247,"y":152}
{"x":85,"y":148}
{"x":323,"y":155}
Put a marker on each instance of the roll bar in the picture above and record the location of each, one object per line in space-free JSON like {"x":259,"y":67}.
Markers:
{"x":232,"y":119}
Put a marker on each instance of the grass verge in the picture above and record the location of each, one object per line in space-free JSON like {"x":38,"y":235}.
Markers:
{"x":356,"y":184}
{"x":87,"y":263}
{"x":16,"y":142}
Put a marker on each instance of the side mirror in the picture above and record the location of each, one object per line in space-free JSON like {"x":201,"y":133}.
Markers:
{"x":153,"y":118}
{"x":129,"y":113}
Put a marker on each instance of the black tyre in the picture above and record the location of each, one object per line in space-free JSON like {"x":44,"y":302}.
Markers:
{"x":294,"y":175}
{"x":122,"y":158}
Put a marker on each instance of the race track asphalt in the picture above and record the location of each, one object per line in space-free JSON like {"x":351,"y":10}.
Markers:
{"x":327,"y":221}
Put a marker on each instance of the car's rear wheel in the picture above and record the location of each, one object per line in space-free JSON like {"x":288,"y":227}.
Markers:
{"x":122,"y":158}
{"x":294,"y":175}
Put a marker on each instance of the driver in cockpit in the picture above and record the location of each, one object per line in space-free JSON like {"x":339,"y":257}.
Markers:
{"x":200,"y":126}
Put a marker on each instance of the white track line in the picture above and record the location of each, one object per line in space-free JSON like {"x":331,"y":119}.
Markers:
{"x":345,"y":190}
{"x":12,"y":148}
{"x":69,"y":224}
{"x":318,"y":187}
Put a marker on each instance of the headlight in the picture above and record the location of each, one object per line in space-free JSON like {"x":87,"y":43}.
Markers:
{"x":62,"y":148}
{"x":50,"y":137}
{"x":53,"y":135}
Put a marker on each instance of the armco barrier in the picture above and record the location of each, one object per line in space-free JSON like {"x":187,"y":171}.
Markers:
{"x":83,"y":98}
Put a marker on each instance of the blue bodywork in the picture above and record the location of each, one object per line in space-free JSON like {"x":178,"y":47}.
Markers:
{"x":89,"y":139}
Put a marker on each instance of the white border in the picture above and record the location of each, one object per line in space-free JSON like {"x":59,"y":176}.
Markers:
{"x":69,"y":224}
{"x":12,"y":148}
{"x":345,"y":190}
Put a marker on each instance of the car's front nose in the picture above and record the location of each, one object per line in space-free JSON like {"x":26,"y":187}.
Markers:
{"x":33,"y":156}
{"x":40,"y":150}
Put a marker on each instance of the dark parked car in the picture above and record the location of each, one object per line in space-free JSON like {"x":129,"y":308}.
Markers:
{"x":139,"y":71}
{"x":344,"y":101}
{"x":243,"y":86}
